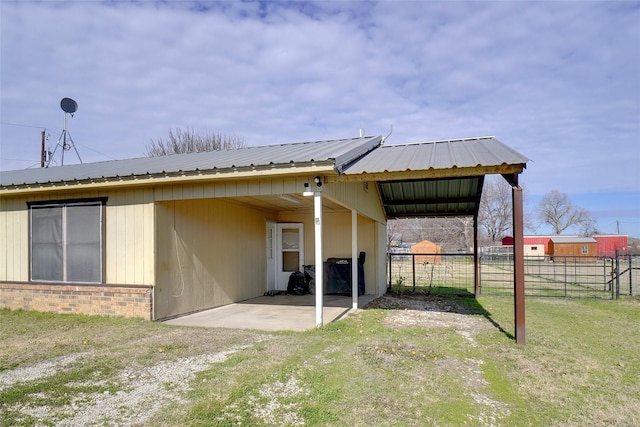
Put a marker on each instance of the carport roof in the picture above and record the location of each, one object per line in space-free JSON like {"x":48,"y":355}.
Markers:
{"x":436,"y":178}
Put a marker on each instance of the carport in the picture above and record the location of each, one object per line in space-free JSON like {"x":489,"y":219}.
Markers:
{"x":445,"y":178}
{"x":426,"y":179}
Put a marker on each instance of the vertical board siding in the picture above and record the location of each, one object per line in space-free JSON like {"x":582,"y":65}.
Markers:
{"x":198,"y":250}
{"x":337,"y":241}
{"x":128,"y":244}
{"x":209,"y":253}
{"x":14,"y":227}
{"x":353,"y":194}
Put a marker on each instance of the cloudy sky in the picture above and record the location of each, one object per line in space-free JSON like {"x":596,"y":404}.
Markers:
{"x":557,"y":81}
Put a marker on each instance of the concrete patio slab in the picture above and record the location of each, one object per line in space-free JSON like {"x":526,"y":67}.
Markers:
{"x":272,"y":313}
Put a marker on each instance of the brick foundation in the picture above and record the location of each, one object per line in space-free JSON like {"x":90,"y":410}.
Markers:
{"x":126,"y":301}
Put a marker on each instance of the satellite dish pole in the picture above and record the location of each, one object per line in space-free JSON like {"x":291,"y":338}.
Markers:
{"x":69,"y":106}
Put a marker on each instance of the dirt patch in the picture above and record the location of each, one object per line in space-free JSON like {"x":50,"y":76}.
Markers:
{"x":430,"y":312}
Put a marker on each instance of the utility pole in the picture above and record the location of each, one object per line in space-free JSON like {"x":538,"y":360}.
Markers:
{"x":43,"y":154}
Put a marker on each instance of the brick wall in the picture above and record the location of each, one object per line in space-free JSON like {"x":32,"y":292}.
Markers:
{"x":126,"y":301}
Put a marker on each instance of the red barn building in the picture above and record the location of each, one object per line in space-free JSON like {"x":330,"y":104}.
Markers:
{"x":606,"y":244}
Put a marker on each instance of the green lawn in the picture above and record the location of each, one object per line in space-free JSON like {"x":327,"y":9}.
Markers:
{"x":378,"y":367}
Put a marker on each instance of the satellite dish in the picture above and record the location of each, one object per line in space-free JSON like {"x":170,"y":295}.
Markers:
{"x":68,"y":105}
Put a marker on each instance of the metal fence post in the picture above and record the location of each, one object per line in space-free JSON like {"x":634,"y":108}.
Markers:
{"x":617,"y":274}
{"x":565,"y":276}
{"x":413,"y":270}
{"x":630,"y":275}
{"x":390,"y":259}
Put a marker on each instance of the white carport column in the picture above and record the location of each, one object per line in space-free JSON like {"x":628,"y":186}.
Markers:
{"x":354,"y":259}
{"x":317,"y":214}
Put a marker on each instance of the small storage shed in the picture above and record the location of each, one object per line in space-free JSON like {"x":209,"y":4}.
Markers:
{"x":577,"y":248}
{"x":427,"y":251}
{"x":534,"y":251}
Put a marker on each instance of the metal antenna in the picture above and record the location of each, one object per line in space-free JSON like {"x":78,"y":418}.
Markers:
{"x":69,"y":106}
{"x":390,"y":132}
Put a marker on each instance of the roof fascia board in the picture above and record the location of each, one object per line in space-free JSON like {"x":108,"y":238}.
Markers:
{"x":297,"y":169}
{"x":430,"y":174}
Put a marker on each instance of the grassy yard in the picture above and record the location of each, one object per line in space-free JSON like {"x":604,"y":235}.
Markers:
{"x":411,"y":361}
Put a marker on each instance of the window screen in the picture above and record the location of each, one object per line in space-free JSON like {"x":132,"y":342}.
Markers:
{"x":66,"y":242}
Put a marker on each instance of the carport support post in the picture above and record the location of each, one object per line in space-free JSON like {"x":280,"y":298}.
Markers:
{"x":476,"y":259}
{"x":317,"y":221}
{"x":518,"y":257}
{"x":518,"y":262}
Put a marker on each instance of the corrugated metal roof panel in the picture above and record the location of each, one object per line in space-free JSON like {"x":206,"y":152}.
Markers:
{"x":341,"y":152}
{"x":431,"y":197}
{"x":461,"y":153}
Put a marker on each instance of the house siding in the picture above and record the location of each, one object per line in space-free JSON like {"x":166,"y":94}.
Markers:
{"x":362,"y":196}
{"x":337,"y":241}
{"x":14,"y":226}
{"x":192,"y":246}
{"x":209,"y":253}
{"x":128,"y":236}
{"x":128,"y":258}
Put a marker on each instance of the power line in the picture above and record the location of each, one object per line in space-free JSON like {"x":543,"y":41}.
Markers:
{"x":24,"y":126}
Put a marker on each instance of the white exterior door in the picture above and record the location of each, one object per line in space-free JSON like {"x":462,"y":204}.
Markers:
{"x":289,"y":252}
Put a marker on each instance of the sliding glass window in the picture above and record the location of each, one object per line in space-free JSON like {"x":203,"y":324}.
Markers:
{"x":66,"y":241}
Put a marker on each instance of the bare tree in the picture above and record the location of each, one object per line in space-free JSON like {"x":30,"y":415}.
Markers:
{"x":495,"y":216}
{"x":189,"y":141}
{"x":555,"y":209}
{"x":449,"y":233}
{"x":394,"y":234}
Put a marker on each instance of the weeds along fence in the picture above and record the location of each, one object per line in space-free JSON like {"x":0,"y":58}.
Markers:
{"x":557,"y":276}
{"x":436,"y":273}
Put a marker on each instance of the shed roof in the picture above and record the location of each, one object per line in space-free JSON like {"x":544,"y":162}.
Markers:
{"x":557,"y":240}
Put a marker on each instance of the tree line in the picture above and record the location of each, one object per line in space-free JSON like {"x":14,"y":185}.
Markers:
{"x":495,"y":220}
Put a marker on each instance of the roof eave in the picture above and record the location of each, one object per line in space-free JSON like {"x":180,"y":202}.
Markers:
{"x":179,"y":177}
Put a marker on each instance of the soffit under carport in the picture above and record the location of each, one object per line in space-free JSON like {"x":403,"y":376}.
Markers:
{"x":431,"y":197}
{"x":438,"y":178}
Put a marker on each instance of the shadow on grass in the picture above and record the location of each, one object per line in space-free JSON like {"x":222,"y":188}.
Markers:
{"x":446,"y":299}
